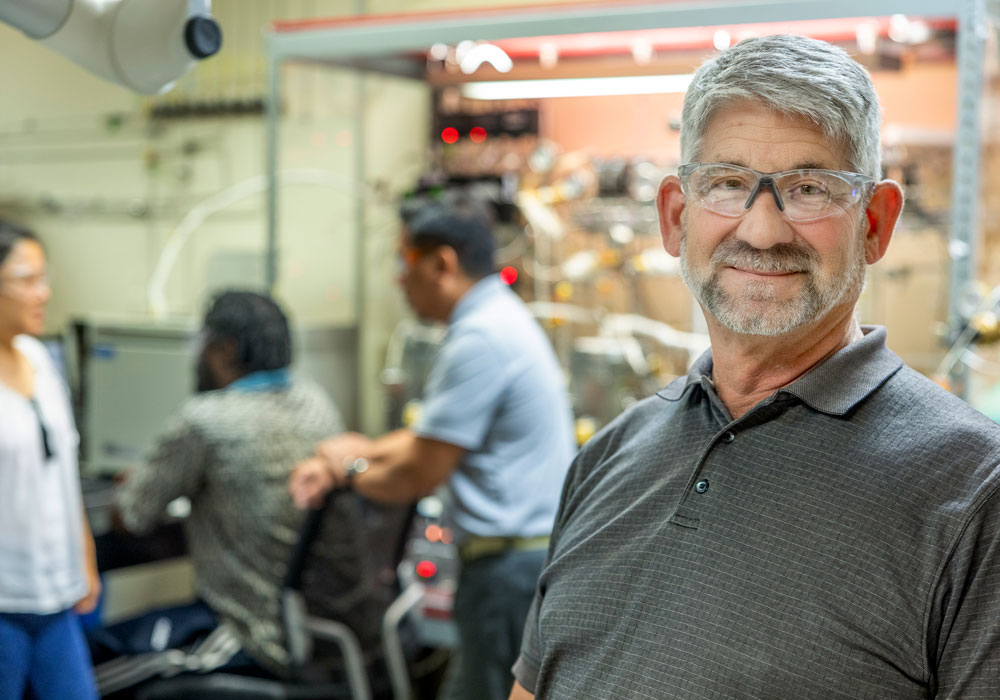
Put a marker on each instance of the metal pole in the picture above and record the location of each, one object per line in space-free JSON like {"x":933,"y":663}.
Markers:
{"x":273,"y":117}
{"x":360,"y":223}
{"x":972,"y":28}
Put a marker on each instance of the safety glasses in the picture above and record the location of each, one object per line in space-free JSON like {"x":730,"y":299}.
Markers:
{"x":806,"y":194}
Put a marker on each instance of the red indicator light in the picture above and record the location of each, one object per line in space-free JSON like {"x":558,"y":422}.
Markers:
{"x":508,"y":275}
{"x":449,"y":134}
{"x":426,"y":569}
{"x":477,"y":134}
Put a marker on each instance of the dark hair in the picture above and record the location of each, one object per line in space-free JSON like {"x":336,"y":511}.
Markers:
{"x":11,"y":234}
{"x":461,"y":223}
{"x":256,"y":324}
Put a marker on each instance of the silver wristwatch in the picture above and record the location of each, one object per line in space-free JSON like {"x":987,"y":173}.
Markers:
{"x":358,"y":466}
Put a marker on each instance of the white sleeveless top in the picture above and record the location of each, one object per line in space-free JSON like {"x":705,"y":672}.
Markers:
{"x":41,"y":548}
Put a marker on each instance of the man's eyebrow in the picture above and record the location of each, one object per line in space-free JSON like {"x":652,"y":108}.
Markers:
{"x":813,"y":165}
{"x":737,"y":161}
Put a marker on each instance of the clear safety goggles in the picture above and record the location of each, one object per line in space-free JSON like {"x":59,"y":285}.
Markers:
{"x":806,"y":194}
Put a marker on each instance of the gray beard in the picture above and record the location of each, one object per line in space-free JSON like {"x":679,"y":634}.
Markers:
{"x":757,"y":312}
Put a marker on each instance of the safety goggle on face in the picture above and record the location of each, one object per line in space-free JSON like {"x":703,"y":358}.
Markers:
{"x":806,"y":194}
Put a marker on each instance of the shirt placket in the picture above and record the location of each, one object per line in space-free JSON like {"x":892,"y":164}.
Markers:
{"x":699,"y":485}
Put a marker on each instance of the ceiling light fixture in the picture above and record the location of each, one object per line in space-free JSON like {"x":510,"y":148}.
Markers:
{"x":548,"y":55}
{"x":576,"y":87}
{"x":485,"y":53}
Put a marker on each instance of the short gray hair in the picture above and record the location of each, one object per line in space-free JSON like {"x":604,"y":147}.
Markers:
{"x":796,"y":76}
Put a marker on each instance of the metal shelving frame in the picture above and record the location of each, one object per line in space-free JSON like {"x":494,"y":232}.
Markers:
{"x":386,"y":45}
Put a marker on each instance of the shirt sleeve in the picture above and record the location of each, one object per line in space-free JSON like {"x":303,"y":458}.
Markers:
{"x":529,"y":662}
{"x":965,"y":629}
{"x":175,"y":470}
{"x":526,"y":667}
{"x":463,"y":392}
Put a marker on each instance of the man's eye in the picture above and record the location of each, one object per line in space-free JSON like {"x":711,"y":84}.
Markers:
{"x":809,"y":189}
{"x":728,"y":184}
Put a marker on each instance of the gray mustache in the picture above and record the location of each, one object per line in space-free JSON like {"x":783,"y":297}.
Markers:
{"x":781,"y":257}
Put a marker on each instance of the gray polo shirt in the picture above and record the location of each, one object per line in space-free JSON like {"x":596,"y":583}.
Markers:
{"x":840,"y":540}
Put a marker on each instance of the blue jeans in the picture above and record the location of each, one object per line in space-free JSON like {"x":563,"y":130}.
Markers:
{"x":46,"y":654}
{"x":491,"y":604}
{"x":178,"y":626}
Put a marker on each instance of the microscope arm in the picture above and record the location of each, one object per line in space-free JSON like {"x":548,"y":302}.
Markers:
{"x":144,"y":45}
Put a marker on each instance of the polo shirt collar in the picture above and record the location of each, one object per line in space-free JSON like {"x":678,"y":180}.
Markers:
{"x":701,"y":371}
{"x":835,"y":386}
{"x":849,"y":376}
{"x":477,"y":295}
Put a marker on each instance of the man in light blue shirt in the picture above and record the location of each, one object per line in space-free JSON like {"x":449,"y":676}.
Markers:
{"x":496,"y":391}
{"x":495,"y":430}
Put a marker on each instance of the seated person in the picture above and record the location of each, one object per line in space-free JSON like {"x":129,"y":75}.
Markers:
{"x":230,"y":449}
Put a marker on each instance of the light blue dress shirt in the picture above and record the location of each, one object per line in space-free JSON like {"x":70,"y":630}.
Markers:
{"x":496,"y":390}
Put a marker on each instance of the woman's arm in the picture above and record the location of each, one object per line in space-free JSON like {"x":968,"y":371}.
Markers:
{"x":89,"y":601}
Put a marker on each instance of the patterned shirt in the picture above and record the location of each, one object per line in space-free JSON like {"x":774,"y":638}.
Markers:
{"x":840,"y":540}
{"x":231,"y":452}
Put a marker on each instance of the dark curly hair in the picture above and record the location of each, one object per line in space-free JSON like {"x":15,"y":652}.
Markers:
{"x":256,"y":325}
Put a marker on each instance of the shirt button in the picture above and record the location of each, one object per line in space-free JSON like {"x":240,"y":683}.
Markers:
{"x":728,"y":436}
{"x":701,"y":486}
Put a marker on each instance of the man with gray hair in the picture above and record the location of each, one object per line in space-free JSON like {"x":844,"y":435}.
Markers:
{"x":802,"y":515}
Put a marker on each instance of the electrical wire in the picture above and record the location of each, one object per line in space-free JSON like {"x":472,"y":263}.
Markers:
{"x":156,"y":290}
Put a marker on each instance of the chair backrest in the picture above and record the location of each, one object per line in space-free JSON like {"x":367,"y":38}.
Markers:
{"x":340,"y":580}
{"x":344,"y":565}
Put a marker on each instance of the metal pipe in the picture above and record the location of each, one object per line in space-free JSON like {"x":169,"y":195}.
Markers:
{"x":356,"y":41}
{"x":354,"y":660}
{"x":971,"y":40}
{"x":271,"y":171}
{"x":365,"y":359}
{"x":395,"y":658}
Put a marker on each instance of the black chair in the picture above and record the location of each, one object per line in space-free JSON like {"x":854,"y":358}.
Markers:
{"x":343,"y":644}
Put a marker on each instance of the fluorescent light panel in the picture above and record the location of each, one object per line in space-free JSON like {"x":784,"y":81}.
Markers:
{"x":576,"y":87}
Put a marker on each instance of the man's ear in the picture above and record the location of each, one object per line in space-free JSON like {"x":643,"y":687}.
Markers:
{"x":445,"y":260}
{"x":882,"y":213}
{"x":670,"y":208}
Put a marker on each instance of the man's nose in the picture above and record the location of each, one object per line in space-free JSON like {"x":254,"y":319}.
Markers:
{"x":764,"y":225}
